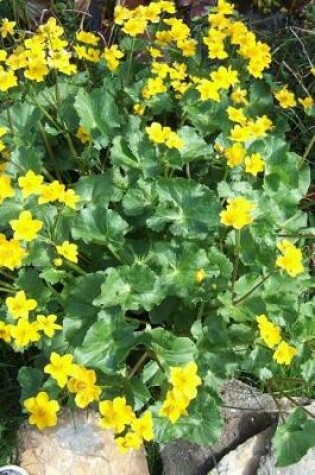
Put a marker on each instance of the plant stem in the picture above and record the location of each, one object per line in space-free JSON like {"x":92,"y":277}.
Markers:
{"x":237,"y":256}
{"x":49,"y":150}
{"x":75,"y":267}
{"x":306,"y":153}
{"x":138,"y":364}
{"x":252,"y":290}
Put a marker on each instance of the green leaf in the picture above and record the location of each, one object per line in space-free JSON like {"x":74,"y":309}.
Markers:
{"x":133,"y":288}
{"x":34,"y":287}
{"x":190,"y":209}
{"x":195,"y":146}
{"x":79,"y":308}
{"x":98,"y":112}
{"x":202,"y":426}
{"x":31,"y":380}
{"x":172,"y":350}
{"x":23,"y":117}
{"x":97,"y":190}
{"x":101,"y":226}
{"x":294,"y":438}
{"x":108,"y":342}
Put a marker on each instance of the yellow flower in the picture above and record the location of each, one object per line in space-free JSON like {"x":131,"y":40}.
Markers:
{"x":135,"y":26}
{"x":238,"y":96}
{"x":116,"y":414}
{"x":69,"y":251}
{"x":174,"y":407}
{"x":153,"y":87}
{"x":269,"y":332}
{"x":24,"y":333}
{"x":225,"y":77}
{"x":238,"y":212}
{"x":88,"y":38}
{"x":36,"y":70}
{"x":208,"y":90}
{"x":312,"y":70}
{"x":70,"y":199}
{"x":57,"y":262}
{"x":155,"y":53}
{"x":43,"y":411}
{"x":185,"y":380}
{"x":307,"y":102}
{"x":291,"y":260}
{"x":83,"y":135}
{"x":254,"y":164}
{"x":5,"y":332}
{"x":160,"y":69}
{"x":225,"y":8}
{"x":11,"y":253}
{"x":143,"y":426}
{"x":138,"y":109}
{"x":7,"y":79}
{"x":188,"y":47}
{"x":159,"y":134}
{"x":48,"y":324}
{"x":235,"y":155}
{"x":285,"y":98}
{"x":82,"y":383}
{"x":200,"y":276}
{"x":240,"y":133}
{"x":236,"y":115}
{"x":130,"y":441}
{"x":48,"y":193}
{"x":6,"y":190}
{"x":30,"y":183}
{"x":284,"y":353}
{"x":60,"y":368}
{"x":112,"y":56}
{"x":26,"y":228}
{"x":19,"y":306}
{"x":7,"y":28}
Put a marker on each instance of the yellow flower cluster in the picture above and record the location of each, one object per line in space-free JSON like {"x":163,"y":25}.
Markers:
{"x":79,"y":380}
{"x":184,"y":383}
{"x":291,"y":259}
{"x":271,"y":335}
{"x":164,"y":135}
{"x":236,"y":155}
{"x":238,"y":213}
{"x":117,"y":415}
{"x":25,"y":331}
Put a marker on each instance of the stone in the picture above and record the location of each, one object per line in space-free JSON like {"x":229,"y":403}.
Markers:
{"x":76,"y":446}
{"x":245,"y":459}
{"x":246,"y":412}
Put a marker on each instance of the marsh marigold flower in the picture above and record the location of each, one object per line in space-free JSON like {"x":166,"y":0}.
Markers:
{"x":82,"y":384}
{"x":43,"y":411}
{"x":48,"y":324}
{"x":11,"y":253}
{"x":60,"y":368}
{"x":269,"y":332}
{"x":143,"y":426}
{"x":24,"y":333}
{"x":254,"y":164}
{"x":291,"y":260}
{"x":238,"y":212}
{"x":5,"y":332}
{"x":285,"y":98}
{"x":131,"y":441}
{"x":284,"y":353}
{"x":307,"y":102}
{"x":69,"y":251}
{"x":6,"y":190}
{"x":26,"y":228}
{"x":30,"y":183}
{"x":83,"y":135}
{"x":235,"y":155}
{"x":19,"y":306}
{"x":116,"y":414}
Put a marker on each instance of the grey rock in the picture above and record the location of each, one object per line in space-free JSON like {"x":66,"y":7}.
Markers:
{"x":245,"y":459}
{"x":246,"y":412}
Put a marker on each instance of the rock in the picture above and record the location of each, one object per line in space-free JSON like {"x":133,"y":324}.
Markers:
{"x":76,"y":447}
{"x":244,"y":460}
{"x":246,"y":412}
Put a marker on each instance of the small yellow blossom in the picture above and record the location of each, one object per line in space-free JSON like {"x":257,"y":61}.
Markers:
{"x":48,"y":193}
{"x":131,"y":441}
{"x":284,"y":353}
{"x":6,"y":190}
{"x":143,"y":426}
{"x":208,"y":90}
{"x":269,"y":332}
{"x":200,"y":276}
{"x":235,"y":155}
{"x":70,"y":198}
{"x":254,"y":164}
{"x":238,"y":96}
{"x":26,"y":228}
{"x":285,"y":98}
{"x":236,"y":115}
{"x":174,"y":407}
{"x":112,"y":55}
{"x":11,"y":253}
{"x":19,"y":306}
{"x":7,"y":28}
{"x":135,"y":26}
{"x":8,"y":79}
{"x":60,"y":368}
{"x":30,"y":183}
{"x":185,"y":380}
{"x":116,"y":414}
{"x":88,"y":38}
{"x":138,"y":109}
{"x":69,"y":251}
{"x":24,"y":333}
{"x":43,"y":411}
{"x":307,"y":102}
{"x":291,"y":259}
{"x":83,"y":135}
{"x":82,"y":384}
{"x":48,"y":324}
{"x":238,"y":212}
{"x":5,"y":332}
